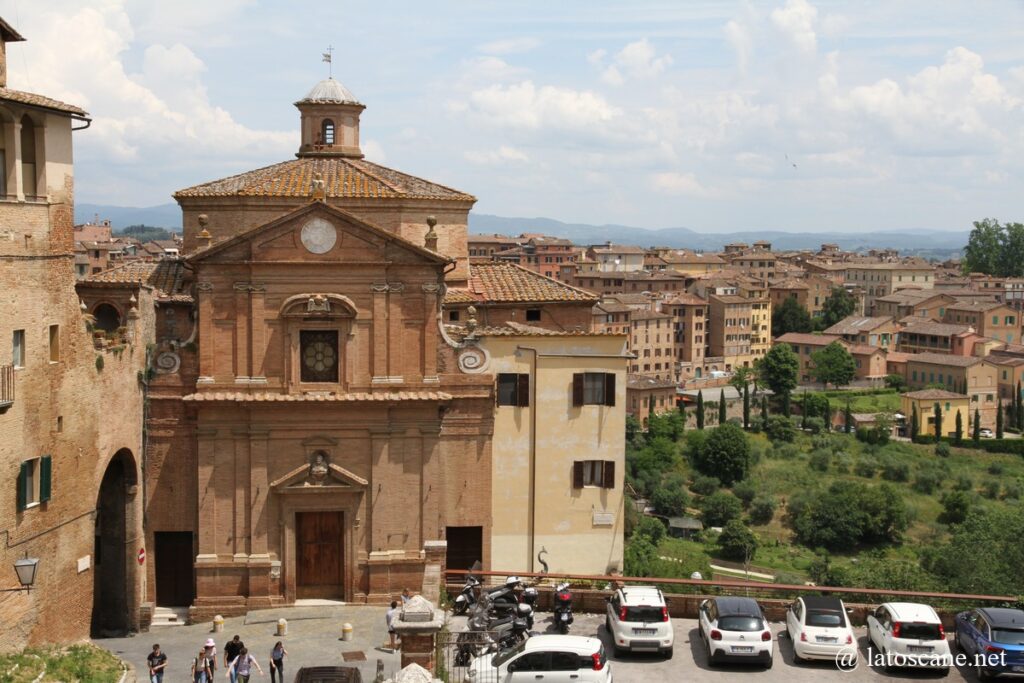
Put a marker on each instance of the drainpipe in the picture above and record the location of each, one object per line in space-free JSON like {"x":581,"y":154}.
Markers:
{"x":533,"y":453}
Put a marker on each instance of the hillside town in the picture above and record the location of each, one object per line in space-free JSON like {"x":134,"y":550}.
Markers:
{"x":323,"y":400}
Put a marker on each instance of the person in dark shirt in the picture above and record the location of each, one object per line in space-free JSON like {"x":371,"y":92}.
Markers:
{"x":157,"y":662}
{"x":231,"y":651}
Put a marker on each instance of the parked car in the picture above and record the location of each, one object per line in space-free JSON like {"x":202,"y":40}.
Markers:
{"x":553,"y":658}
{"x":735,"y":628}
{"x":986,"y":433}
{"x":637,"y":619}
{"x":819,"y":628}
{"x":995,"y":633}
{"x":908,"y":634}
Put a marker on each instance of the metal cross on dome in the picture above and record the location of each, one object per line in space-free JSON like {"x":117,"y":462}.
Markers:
{"x":326,"y":56}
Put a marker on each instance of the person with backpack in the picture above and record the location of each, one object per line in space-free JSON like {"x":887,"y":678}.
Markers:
{"x":211,"y":654}
{"x":242,"y":666}
{"x":157,"y":662}
{"x":201,"y":668}
{"x":277,"y":656}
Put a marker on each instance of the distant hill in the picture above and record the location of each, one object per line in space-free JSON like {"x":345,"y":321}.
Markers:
{"x":939,"y":244}
{"x":162,"y":216}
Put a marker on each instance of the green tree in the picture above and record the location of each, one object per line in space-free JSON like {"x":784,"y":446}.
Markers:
{"x":992,"y":533}
{"x":938,"y":422}
{"x":779,"y":369}
{"x":959,"y":438}
{"x":981,"y":255}
{"x":803,"y":411}
{"x":762,"y":510}
{"x":976,"y":432}
{"x":719,"y":508}
{"x":740,"y":378}
{"x":849,"y":513}
{"x":746,"y":406}
{"x":650,"y":528}
{"x":915,"y":424}
{"x":896,"y":382}
{"x":955,"y":506}
{"x":1019,"y":408}
{"x":791,"y":317}
{"x":837,"y":305}
{"x":833,"y":364}
{"x":700,"y":409}
{"x":764,"y":411}
{"x":670,"y":498}
{"x":640,"y":557}
{"x":721,"y":409}
{"x":999,"y":422}
{"x":779,"y":428}
{"x":737,"y":542}
{"x":725,"y":455}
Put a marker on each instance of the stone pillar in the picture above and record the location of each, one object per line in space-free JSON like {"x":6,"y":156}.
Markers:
{"x":417,"y":625}
{"x":379,"y":351}
{"x":242,"y":332}
{"x":206,"y":350}
{"x":430,"y":294}
{"x":259,"y":333}
{"x":396,"y":323}
{"x":207,"y":444}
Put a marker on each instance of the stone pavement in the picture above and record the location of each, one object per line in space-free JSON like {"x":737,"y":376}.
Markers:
{"x":314,"y":639}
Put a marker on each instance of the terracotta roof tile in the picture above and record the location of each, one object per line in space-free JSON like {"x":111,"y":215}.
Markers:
{"x":932,"y":394}
{"x":949,"y":359}
{"x":344,"y":177}
{"x":361,"y":396}
{"x":810,"y":339}
{"x":514,"y":329}
{"x":856,"y":324}
{"x":510,"y":283}
{"x":35,"y":100}
{"x":164,"y":276}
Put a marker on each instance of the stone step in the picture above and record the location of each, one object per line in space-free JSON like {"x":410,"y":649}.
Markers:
{"x":169,"y":616}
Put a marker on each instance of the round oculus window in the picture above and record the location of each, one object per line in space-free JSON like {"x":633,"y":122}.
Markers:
{"x":319,"y":236}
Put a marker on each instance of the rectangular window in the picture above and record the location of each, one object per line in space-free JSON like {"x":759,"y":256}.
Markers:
{"x":599,"y":473}
{"x":34,"y":482}
{"x":988,"y":398}
{"x":18,"y":355}
{"x":532,"y":315}
{"x":453,"y":316}
{"x":513,"y":389}
{"x":318,"y":357}
{"x":995,"y":320}
{"x":915,"y":375}
{"x":54,"y":343}
{"x":593,"y":388}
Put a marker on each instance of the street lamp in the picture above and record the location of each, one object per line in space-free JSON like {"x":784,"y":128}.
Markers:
{"x":25,"y":568}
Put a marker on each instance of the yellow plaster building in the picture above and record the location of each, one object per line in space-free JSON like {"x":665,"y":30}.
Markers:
{"x":949,"y":402}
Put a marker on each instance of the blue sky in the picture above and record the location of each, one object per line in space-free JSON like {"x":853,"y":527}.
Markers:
{"x":792,"y":114}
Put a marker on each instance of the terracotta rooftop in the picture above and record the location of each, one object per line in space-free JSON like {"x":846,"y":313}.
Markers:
{"x":855,"y":324}
{"x":34,"y":100}
{"x":789,"y":283}
{"x":514,"y":329}
{"x":617,"y":249}
{"x":805,"y":338}
{"x":973,"y":306}
{"x":932,"y":394}
{"x":612,"y":307}
{"x":344,"y":177}
{"x":945,"y":359}
{"x":685,"y":299}
{"x":164,"y":276}
{"x":898,"y":356}
{"x":354,"y":397}
{"x":911,"y":296}
{"x":913,"y":325}
{"x":510,"y":283}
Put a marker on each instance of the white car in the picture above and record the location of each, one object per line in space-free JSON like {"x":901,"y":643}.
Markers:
{"x":907,"y":634}
{"x":819,"y":629}
{"x":551,"y":658}
{"x":735,"y":628}
{"x":637,"y":620}
{"x":986,"y":433}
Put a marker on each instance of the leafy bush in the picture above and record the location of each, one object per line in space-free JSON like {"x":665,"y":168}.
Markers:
{"x":942,"y":449}
{"x":650,"y":528}
{"x":996,"y":468}
{"x":704,"y":485}
{"x":670,"y":497}
{"x":992,"y":536}
{"x":786,"y":451}
{"x":737,"y":542}
{"x":726,"y":454}
{"x":865,"y":467}
{"x":990,"y":489}
{"x":1012,"y":490}
{"x":720,"y":508}
{"x":927,"y":482}
{"x":745,"y":491}
{"x":820,"y":460}
{"x":762,"y":510}
{"x":850,"y":513}
{"x":896,"y":471}
{"x":956,"y":505}
{"x":780,"y":428}
{"x":963,"y":483}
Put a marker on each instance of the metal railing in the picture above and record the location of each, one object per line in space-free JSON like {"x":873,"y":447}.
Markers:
{"x":456,"y":652}
{"x":6,"y":386}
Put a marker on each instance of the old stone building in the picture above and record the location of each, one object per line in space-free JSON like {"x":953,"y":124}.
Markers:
{"x":70,"y":497}
{"x":313,"y":429}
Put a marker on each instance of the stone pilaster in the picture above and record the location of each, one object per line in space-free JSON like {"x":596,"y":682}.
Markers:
{"x":430,"y":294}
{"x":379,"y":351}
{"x":242,"y":332}
{"x":206,"y":347}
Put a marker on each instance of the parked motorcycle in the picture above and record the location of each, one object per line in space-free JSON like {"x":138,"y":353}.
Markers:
{"x":467,"y":596}
{"x":562,"y":607}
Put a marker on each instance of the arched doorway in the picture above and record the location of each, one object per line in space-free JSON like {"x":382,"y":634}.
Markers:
{"x":108,"y":318}
{"x":111,"y":585}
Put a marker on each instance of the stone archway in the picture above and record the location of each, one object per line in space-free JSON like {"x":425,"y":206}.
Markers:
{"x":113,"y":572}
{"x":108,"y":318}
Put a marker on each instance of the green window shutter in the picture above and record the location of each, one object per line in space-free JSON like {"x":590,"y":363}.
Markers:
{"x":45,"y":477}
{"x":23,"y":487}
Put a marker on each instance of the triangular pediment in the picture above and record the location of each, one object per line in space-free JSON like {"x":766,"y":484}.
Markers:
{"x":302,"y":478}
{"x":318,"y":232}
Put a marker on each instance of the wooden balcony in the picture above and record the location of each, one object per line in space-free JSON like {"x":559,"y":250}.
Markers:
{"x":6,"y":387}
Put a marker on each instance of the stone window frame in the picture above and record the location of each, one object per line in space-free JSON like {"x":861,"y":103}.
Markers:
{"x":321,"y":312}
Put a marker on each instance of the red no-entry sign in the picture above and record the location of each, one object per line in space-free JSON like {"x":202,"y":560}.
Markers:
{"x":142,"y":555}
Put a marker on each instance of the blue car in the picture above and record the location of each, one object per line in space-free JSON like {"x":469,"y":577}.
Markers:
{"x":995,"y":636}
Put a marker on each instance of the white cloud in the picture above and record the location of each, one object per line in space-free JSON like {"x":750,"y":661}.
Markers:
{"x":509,"y":46}
{"x":526,"y":106}
{"x":796,"y":19}
{"x":638,"y":59}
{"x":685,"y":184}
{"x":739,"y":38}
{"x":502,"y":155}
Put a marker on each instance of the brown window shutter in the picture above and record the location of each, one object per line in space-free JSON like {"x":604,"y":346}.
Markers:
{"x":609,"y":472}
{"x":523,"y":390}
{"x":609,"y":389}
{"x":577,"y":474}
{"x":577,"y":390}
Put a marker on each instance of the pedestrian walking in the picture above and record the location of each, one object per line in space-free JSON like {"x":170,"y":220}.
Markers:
{"x":210,"y":648}
{"x":242,"y":666}
{"x":157,"y":662}
{"x":231,"y":651}
{"x":201,"y":668}
{"x":277,"y":656}
{"x":406,"y":596}
{"x":389,"y":618}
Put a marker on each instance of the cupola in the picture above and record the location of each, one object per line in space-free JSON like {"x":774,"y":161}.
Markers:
{"x":330,"y":121}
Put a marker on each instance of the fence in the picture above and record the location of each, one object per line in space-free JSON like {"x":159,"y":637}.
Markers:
{"x":6,"y":386}
{"x":456,"y":652}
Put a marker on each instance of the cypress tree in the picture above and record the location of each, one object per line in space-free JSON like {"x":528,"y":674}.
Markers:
{"x":721,"y":409}
{"x":700,"y":409}
{"x":976,"y":434}
{"x":764,"y":411}
{"x":959,"y":428}
{"x":803,"y":411}
{"x":1011,"y":415}
{"x":1020,"y":409}
{"x":999,"y":422}
{"x":848,"y":418}
{"x":746,"y":406}
{"x":938,"y":422}
{"x":828,"y":415}
{"x":785,"y":404}
{"x":915,"y":425}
